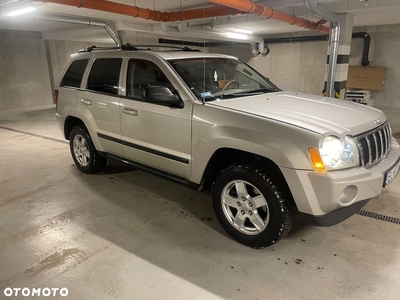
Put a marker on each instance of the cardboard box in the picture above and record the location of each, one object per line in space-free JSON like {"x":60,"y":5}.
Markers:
{"x":366,"y":78}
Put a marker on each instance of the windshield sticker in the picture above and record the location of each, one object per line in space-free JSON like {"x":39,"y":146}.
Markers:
{"x":206,"y":94}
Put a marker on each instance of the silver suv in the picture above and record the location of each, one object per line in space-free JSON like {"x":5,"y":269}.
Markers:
{"x":210,"y":121}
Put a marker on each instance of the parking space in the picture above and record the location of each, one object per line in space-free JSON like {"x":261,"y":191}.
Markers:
{"x":125,"y":234}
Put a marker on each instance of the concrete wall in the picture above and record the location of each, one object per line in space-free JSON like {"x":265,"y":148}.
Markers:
{"x":26,"y":78}
{"x":301,"y":66}
{"x":29,"y":65}
{"x":60,"y":52}
{"x":384,"y":52}
{"x":291,"y":66}
{"x":24,"y":71}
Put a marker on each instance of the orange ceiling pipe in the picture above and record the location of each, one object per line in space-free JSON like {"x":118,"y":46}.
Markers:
{"x":149,"y":14}
{"x":251,"y":7}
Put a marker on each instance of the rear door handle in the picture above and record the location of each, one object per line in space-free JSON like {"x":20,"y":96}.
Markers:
{"x":130,"y":111}
{"x":86,"y":102}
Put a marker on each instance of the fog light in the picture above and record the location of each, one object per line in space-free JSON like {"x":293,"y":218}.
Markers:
{"x":349,"y":194}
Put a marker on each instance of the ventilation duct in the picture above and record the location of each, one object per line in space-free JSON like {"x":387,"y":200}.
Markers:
{"x":81,"y":21}
{"x":226,"y":9}
{"x":257,"y":45}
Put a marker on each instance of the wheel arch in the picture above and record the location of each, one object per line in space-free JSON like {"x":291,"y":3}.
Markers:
{"x":224,"y":157}
{"x":71,"y":122}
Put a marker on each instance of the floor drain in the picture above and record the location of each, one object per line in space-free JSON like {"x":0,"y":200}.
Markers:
{"x":378,"y":216}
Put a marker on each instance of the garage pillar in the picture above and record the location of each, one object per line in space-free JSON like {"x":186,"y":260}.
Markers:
{"x":346,"y":31}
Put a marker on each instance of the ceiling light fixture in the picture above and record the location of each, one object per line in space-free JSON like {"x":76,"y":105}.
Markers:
{"x":234,"y":35}
{"x":21,"y":11}
{"x":243,"y":30}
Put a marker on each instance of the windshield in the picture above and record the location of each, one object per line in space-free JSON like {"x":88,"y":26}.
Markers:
{"x":221,"y":78}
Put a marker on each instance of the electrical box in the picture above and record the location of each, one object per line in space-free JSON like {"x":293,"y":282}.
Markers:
{"x":359,"y":96}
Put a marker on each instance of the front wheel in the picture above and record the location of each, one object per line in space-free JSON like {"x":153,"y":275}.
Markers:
{"x":85,"y":156}
{"x":251,"y":207}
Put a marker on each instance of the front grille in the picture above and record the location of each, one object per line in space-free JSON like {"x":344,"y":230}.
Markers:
{"x":375,"y":145}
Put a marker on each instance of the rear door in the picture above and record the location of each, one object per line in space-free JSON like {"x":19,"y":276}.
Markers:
{"x":100,"y":100}
{"x":155,"y":135}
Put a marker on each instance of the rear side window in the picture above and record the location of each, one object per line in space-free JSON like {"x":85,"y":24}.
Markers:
{"x":74,"y":74}
{"x":104,"y":76}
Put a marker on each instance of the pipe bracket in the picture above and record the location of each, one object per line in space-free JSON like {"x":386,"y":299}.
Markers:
{"x":137,"y":14}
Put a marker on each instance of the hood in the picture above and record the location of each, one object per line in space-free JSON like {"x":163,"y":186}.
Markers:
{"x":327,"y":116}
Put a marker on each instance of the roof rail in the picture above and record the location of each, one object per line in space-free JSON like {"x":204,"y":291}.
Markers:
{"x":129,"y":47}
{"x":95,"y":48}
{"x":171,"y":47}
{"x":126,"y":47}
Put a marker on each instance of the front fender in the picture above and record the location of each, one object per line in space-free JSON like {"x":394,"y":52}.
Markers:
{"x":214,"y":128}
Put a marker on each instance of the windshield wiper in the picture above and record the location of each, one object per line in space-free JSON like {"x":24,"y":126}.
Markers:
{"x":257,"y":91}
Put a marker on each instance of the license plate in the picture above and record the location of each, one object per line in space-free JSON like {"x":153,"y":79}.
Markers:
{"x":391,"y":174}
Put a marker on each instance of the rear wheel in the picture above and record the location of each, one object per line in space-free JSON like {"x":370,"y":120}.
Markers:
{"x":251,"y":207}
{"x":85,"y":155}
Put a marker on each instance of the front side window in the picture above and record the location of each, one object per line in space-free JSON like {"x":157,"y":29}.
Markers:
{"x":104,"y":76}
{"x":142,"y":73}
{"x":73,"y":76}
{"x":215,"y":78}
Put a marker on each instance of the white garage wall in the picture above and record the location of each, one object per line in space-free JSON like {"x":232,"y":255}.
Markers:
{"x":24,"y":72}
{"x":294,"y":66}
{"x":25,"y":76}
{"x":301,"y":66}
{"x":384,"y":52}
{"x":60,"y":51}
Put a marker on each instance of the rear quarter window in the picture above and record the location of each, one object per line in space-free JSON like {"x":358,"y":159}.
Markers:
{"x":73,"y":76}
{"x":104,"y":76}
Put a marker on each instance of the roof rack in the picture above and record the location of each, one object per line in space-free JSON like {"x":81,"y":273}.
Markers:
{"x":171,"y":47}
{"x":126,"y":47}
{"x":129,"y":47}
{"x":92,"y":48}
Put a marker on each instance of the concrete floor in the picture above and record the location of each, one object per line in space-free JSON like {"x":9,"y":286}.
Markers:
{"x":125,"y":234}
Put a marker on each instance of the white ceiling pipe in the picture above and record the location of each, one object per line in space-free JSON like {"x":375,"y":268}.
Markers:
{"x":169,"y":29}
{"x":82,"y":21}
{"x":201,"y":31}
{"x":312,"y":5}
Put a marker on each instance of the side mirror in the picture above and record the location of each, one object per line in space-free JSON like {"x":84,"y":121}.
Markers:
{"x":162,"y":95}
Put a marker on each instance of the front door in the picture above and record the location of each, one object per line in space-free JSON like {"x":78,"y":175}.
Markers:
{"x":154,"y":135}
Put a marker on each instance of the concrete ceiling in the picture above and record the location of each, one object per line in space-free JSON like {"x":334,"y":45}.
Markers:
{"x":367,"y":13}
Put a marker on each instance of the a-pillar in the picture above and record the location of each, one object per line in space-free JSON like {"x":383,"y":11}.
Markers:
{"x":346,"y":31}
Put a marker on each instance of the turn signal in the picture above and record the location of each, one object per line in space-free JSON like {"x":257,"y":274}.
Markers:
{"x":316,"y":159}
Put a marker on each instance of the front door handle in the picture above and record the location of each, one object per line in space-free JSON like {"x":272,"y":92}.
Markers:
{"x":86,"y":102}
{"x":130,"y":111}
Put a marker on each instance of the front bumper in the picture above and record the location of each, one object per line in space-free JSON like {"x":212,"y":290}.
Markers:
{"x":329,"y":198}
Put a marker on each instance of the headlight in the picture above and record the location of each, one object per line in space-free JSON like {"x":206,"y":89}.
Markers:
{"x":335,"y":154}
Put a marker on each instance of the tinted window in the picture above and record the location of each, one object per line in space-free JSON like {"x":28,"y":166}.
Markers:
{"x":73,"y":76}
{"x":104,"y":76}
{"x":143,"y":73}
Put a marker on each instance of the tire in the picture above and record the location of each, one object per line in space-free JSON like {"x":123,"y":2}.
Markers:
{"x":85,"y":155}
{"x":251,"y":207}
